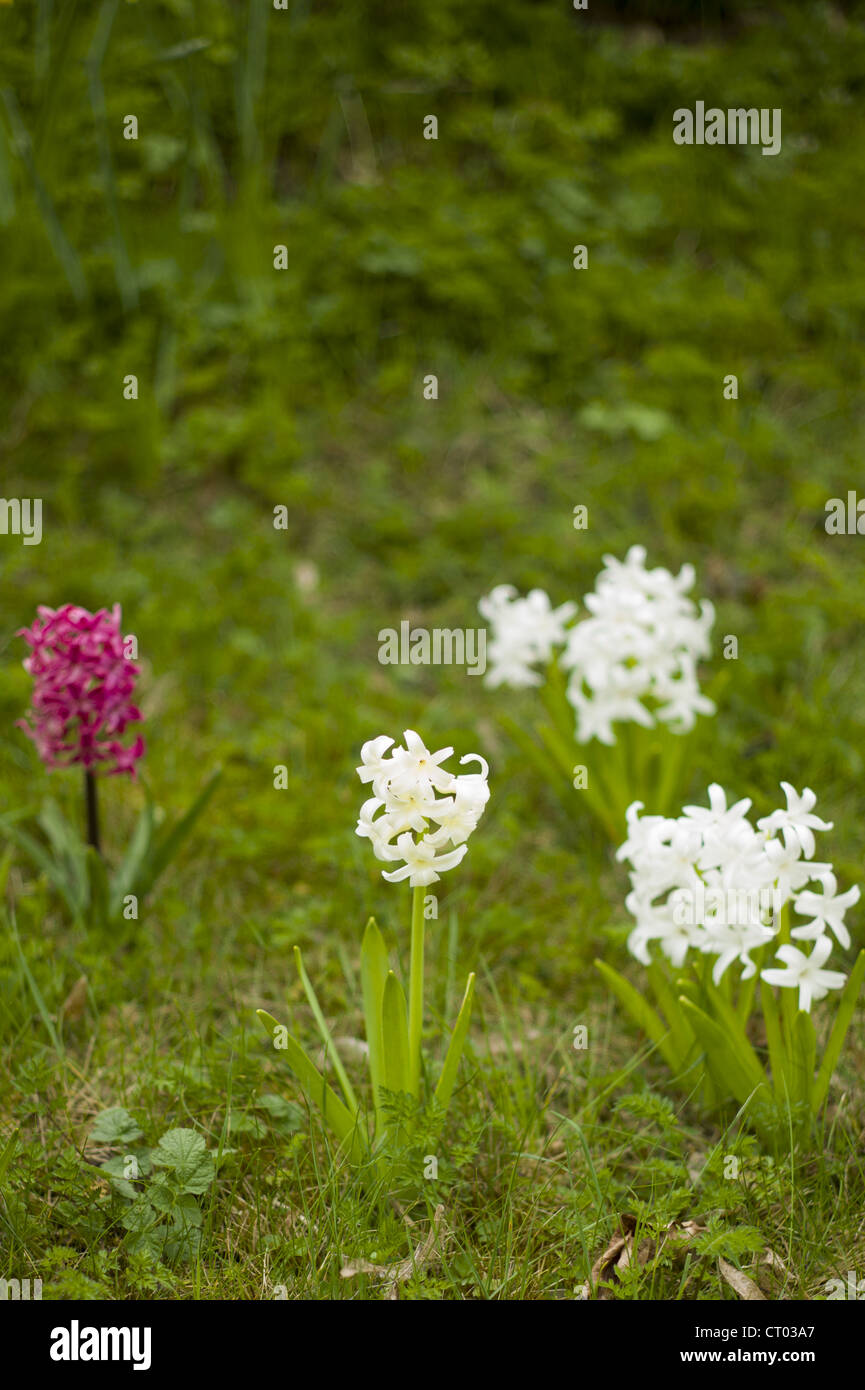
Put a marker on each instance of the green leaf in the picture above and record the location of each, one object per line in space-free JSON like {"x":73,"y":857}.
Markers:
{"x":373,"y":973}
{"x":681,"y":1035}
{"x":775,"y":1042}
{"x":722,"y":1059}
{"x":184,"y":1152}
{"x":804,"y":1056}
{"x":140,"y":1217}
{"x":171,"y":840}
{"x":329,"y":1044}
{"x":846,"y":1006}
{"x":642,"y":1013}
{"x":394,"y":1035}
{"x":126,"y":875}
{"x":337,"y":1116}
{"x":54,"y":870}
{"x":114,"y":1126}
{"x":286,"y":1116}
{"x":446,"y":1081}
{"x":70,"y":851}
{"x":734,"y":1031}
{"x":98,"y":891}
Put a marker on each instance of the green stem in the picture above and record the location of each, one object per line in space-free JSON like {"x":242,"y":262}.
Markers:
{"x":415,"y":996}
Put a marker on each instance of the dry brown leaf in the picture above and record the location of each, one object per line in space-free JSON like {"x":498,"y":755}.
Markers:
{"x":740,"y":1283}
{"x":73,"y":1005}
{"x":403,"y":1269}
{"x":620,"y":1254}
{"x":775,"y":1263}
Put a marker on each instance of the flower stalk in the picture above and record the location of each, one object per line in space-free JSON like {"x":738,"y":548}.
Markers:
{"x":413,"y":792}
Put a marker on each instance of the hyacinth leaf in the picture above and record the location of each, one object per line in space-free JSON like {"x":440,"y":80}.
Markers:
{"x":723,"y":1061}
{"x":70,"y":851}
{"x":373,"y":973}
{"x":394,"y":1035}
{"x":843,"y":1017}
{"x":447,"y":1080}
{"x":337,"y":1116}
{"x":775,"y":1042}
{"x":558,"y":748}
{"x":804,"y":1056}
{"x":689,"y":987}
{"x":642,"y":1013}
{"x":548,"y":768}
{"x":733,"y":1029}
{"x":44,"y":862}
{"x":327,"y":1038}
{"x":681,"y":1034}
{"x":554,"y":694}
{"x":127,"y":874}
{"x":98,"y":890}
{"x":171,"y":840}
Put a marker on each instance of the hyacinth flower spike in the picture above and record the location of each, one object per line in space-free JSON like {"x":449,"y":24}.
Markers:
{"x":82,"y":706}
{"x":619,"y":686}
{"x":418,"y":822}
{"x":712,"y":897}
{"x":82,"y":703}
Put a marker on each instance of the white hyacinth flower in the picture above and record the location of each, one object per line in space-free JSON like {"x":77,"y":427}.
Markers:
{"x":796,"y":823}
{"x":421,"y":813}
{"x":827,"y":910}
{"x":711,"y":881}
{"x":806,"y":973}
{"x":632,"y":659}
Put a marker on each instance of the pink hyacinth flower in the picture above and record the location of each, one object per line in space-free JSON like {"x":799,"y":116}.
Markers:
{"x":82,"y":690}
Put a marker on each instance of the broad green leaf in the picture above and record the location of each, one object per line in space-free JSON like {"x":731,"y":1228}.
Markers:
{"x":329,"y":1044}
{"x":98,"y":891}
{"x":733,"y":1028}
{"x":642,"y":1014}
{"x":337,"y":1116}
{"x":373,"y":973}
{"x":832,"y":1051}
{"x":171,"y":840}
{"x":184,"y":1152}
{"x":778,"y":1059}
{"x":722,"y":1059}
{"x":125,"y":877}
{"x":804,"y":1056}
{"x":114,"y":1126}
{"x":70,"y":850}
{"x":681,"y":1034}
{"x":53,"y":869}
{"x":394,"y":1035}
{"x":446,"y":1081}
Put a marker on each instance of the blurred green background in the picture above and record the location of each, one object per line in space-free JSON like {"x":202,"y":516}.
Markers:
{"x":303,"y":387}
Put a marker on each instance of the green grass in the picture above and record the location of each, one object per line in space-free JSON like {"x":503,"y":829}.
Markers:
{"x":303,"y":388}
